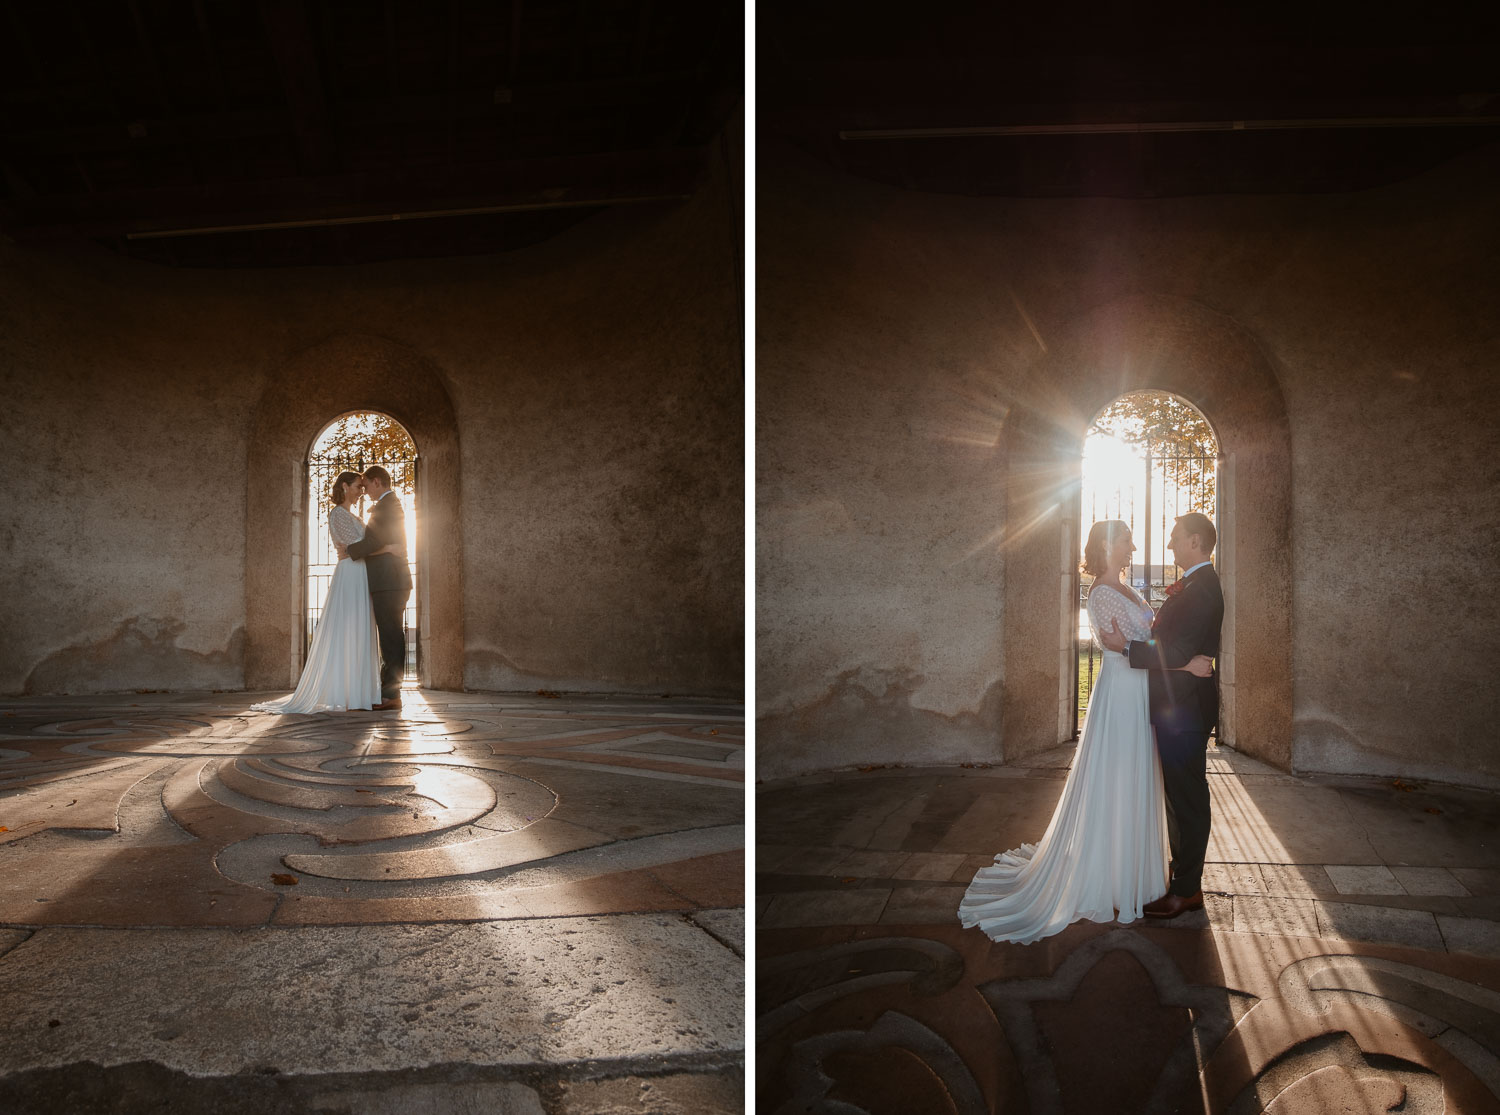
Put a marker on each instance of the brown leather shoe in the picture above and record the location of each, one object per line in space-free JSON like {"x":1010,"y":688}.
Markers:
{"x":387,"y":706}
{"x":1170,"y":905}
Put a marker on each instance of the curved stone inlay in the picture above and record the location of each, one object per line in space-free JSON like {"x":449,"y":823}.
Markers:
{"x":802,"y":982}
{"x":1331,"y":1073}
{"x":542,"y":840}
{"x":1213,"y":1011}
{"x":811,"y":1082}
{"x":234,"y":809}
{"x":1462,"y":1017}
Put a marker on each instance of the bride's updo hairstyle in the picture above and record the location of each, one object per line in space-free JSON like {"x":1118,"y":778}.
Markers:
{"x":336,"y":493}
{"x":1102,"y":535}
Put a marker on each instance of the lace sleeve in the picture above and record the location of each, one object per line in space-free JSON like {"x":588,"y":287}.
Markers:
{"x":1106,"y":605}
{"x":344,"y":527}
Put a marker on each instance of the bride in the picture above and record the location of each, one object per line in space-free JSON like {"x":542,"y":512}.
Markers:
{"x":1105,"y":849}
{"x":343,"y":664}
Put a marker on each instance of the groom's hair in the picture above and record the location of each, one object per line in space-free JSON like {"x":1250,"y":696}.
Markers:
{"x":375,"y":472}
{"x":1194,"y":522}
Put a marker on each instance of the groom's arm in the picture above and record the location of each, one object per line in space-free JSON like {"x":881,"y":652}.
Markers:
{"x":367,"y":545}
{"x":1187,"y":631}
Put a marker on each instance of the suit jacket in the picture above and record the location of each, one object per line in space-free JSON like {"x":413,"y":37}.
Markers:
{"x":1187,"y":624}
{"x":387,"y":524}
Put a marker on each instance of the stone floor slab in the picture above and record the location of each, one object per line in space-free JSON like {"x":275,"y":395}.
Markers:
{"x":929,"y":905}
{"x":712,"y":880}
{"x":929,"y":866}
{"x":769,"y":857}
{"x":1363,"y":879}
{"x":852,"y":907}
{"x":370,"y":998}
{"x":1233,"y":878}
{"x":433,"y":1099}
{"x":678,"y":1094}
{"x":10,"y":938}
{"x":1295,"y":880}
{"x":1479,"y":936}
{"x":1481,"y":882}
{"x":812,"y":861}
{"x":1295,"y":917}
{"x":727,"y":925}
{"x":871,"y":865}
{"x":1429,"y":881}
{"x":1261,"y":820}
{"x":1360,"y":922}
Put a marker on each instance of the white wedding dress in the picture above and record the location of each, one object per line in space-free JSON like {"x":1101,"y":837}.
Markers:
{"x":1106,"y":846}
{"x":343,"y":664}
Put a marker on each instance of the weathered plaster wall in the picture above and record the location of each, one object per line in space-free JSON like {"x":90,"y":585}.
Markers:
{"x":596,"y":386}
{"x":907,"y":341}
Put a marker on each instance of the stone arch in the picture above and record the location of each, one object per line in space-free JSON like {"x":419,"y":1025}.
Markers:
{"x":1163,"y":344}
{"x":336,"y":376}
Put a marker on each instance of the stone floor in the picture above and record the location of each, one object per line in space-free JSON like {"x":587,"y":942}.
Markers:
{"x":483,"y":903}
{"x":1348,"y":959}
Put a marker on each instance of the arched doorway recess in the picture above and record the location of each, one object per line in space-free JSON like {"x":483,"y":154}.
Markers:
{"x":1148,"y":458}
{"x":1184,"y":349}
{"x":353,"y":442}
{"x":337,"y":376}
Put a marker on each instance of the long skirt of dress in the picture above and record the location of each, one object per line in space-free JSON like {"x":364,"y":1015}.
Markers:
{"x":343,"y":664}
{"x":1105,"y":848}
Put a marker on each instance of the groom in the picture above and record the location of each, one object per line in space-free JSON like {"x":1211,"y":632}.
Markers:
{"x":1184,"y":707}
{"x":390,"y":581}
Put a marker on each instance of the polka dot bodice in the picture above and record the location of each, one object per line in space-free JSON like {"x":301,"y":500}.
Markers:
{"x":1106,"y":604}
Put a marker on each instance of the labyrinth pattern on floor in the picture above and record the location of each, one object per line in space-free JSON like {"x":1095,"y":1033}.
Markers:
{"x":194,"y":811}
{"x":1120,"y":1019}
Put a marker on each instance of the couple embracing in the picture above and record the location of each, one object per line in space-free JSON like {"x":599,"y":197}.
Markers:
{"x":358,"y":653}
{"x":1130,"y":831}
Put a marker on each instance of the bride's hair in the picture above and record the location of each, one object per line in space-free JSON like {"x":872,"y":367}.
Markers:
{"x":336,"y":493}
{"x":1101,"y":535}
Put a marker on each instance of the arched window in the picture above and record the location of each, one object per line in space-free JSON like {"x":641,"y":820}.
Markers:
{"x":354,"y":442}
{"x":1148,"y":458}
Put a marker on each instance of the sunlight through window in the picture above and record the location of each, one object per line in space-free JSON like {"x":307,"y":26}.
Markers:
{"x":1148,"y":458}
{"x":354,"y":442}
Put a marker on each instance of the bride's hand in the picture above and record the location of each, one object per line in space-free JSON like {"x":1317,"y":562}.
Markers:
{"x":1201,"y":666}
{"x":393,"y":548}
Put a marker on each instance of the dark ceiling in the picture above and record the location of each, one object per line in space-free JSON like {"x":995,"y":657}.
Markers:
{"x":1128,"y":100}
{"x":230,"y":133}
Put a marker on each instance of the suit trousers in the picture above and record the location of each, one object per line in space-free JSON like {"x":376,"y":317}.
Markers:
{"x":390,"y":622}
{"x":1184,"y":774}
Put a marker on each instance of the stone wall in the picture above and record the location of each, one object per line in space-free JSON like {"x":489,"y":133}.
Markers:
{"x":594,"y":538}
{"x":927,"y":366}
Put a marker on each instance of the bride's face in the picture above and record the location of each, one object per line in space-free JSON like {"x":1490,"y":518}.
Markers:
{"x":1119,"y":551}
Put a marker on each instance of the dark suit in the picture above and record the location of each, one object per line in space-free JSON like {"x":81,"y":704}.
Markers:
{"x":390,"y":587}
{"x":1184,"y":710}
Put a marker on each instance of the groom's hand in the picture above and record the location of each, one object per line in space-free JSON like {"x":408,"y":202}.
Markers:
{"x":342,"y":550}
{"x":1114,"y":638}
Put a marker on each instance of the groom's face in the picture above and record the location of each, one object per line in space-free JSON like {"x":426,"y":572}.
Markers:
{"x":1183,"y":547}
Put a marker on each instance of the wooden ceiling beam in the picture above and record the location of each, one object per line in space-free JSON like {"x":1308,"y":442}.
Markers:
{"x":350,"y":198}
{"x":420,"y":109}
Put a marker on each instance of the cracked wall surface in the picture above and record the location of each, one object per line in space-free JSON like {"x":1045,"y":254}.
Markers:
{"x":899,"y":337}
{"x":596,"y":385}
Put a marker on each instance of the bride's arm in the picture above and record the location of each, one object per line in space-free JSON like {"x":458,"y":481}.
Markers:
{"x":344,"y":529}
